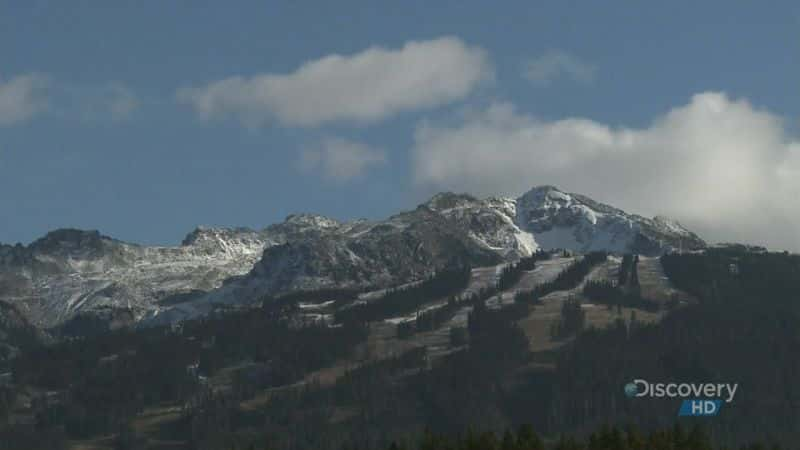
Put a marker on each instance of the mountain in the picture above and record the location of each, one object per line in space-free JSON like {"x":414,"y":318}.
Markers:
{"x":361,"y":254}
{"x":548,"y":218}
{"x":573,"y":221}
{"x":448,"y":229}
{"x":71,"y":274}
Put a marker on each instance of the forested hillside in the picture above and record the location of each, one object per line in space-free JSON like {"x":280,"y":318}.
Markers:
{"x":275,"y":377}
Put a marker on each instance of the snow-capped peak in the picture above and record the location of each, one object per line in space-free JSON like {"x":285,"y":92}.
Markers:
{"x":547,"y":197}
{"x":311,"y":221}
{"x":69,"y":272}
{"x":574,"y":221}
{"x":449,"y":200}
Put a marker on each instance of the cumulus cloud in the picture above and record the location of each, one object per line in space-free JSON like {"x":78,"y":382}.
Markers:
{"x":341,"y":159}
{"x":22,"y":97}
{"x":556,"y":64}
{"x":729,"y":170}
{"x":367,"y":86}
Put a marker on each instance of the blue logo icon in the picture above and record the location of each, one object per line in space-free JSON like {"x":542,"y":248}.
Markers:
{"x":631,"y":389}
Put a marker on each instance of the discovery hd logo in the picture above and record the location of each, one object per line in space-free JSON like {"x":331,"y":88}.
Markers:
{"x":699,"y":399}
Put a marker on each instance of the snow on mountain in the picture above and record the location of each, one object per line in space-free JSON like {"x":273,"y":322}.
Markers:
{"x":71,"y":272}
{"x":490,"y":222}
{"x":573,"y":221}
{"x":548,"y":218}
{"x":362,"y":254}
{"x":449,"y":228}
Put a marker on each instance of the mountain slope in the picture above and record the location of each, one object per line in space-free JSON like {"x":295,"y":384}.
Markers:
{"x":448,"y":229}
{"x":69,"y":273}
{"x":573,"y":221}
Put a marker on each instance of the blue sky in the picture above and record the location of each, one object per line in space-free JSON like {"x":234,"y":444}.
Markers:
{"x":145,"y":119}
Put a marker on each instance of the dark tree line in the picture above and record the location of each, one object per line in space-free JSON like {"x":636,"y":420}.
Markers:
{"x":406,"y":300}
{"x":288,"y":348}
{"x":434,"y":318}
{"x":7,"y":396}
{"x":626,"y":292}
{"x":512,"y":273}
{"x":743,"y":330}
{"x":495,"y":337}
{"x":489,"y":385}
{"x":569,"y":278}
{"x":604,"y":438}
{"x":98,"y":384}
{"x":735,"y":275}
{"x":628,"y":271}
{"x":571,"y":322}
{"x":483,"y":386}
{"x":431,"y":319}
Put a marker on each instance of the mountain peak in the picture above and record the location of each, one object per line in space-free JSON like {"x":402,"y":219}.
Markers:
{"x":575,"y":221}
{"x":545,"y":188}
{"x":448,"y":200}
{"x":311,"y":220}
{"x":205,"y":233}
{"x":70,"y":238}
{"x":545,"y":196}
{"x":79,"y":271}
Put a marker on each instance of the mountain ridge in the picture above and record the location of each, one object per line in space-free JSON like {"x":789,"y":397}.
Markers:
{"x":70,"y":272}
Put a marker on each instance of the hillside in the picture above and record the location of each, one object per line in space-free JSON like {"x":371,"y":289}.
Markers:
{"x":85,"y":280}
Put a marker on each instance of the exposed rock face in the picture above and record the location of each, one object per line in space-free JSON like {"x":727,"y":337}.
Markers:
{"x":491,"y":223}
{"x":71,"y":273}
{"x":363,"y":254}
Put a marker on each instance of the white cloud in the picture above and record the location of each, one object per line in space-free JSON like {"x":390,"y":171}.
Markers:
{"x":367,"y":86}
{"x":25,"y":96}
{"x":22,"y":97}
{"x":720,"y":165}
{"x":557,"y":63}
{"x":341,"y":159}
